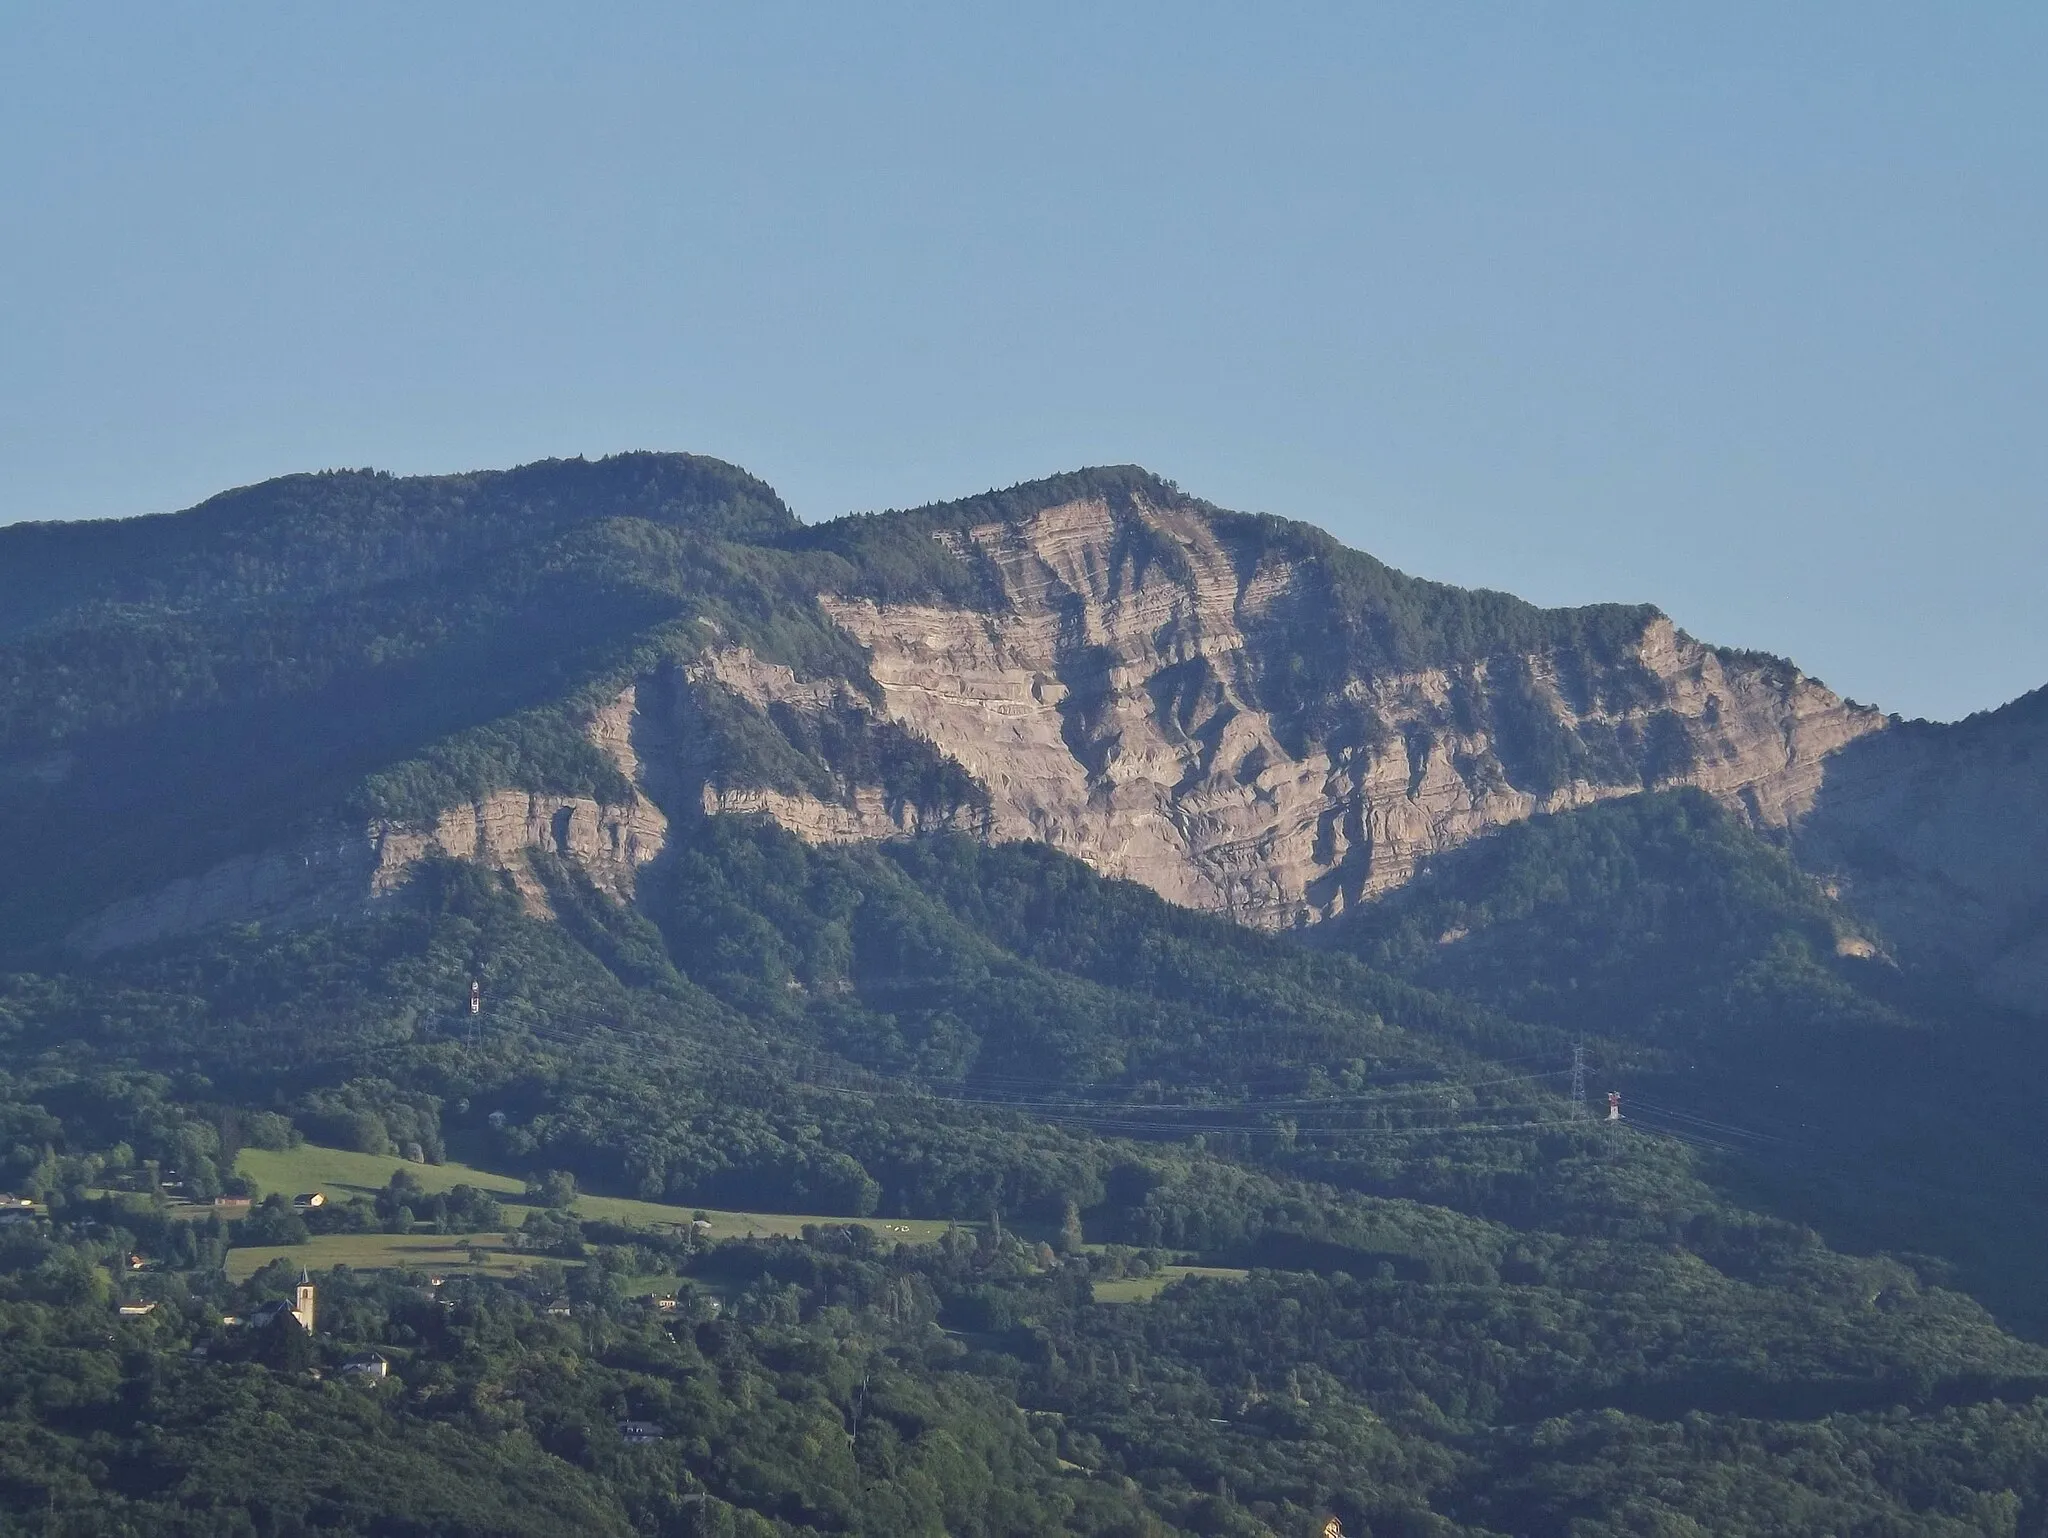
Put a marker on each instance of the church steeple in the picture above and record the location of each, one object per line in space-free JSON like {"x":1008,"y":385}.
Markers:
{"x":302,"y":1306}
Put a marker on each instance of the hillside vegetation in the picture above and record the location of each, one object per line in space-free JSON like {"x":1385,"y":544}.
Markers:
{"x":1466,"y":1312}
{"x":1071,"y":1210}
{"x":178,"y":690}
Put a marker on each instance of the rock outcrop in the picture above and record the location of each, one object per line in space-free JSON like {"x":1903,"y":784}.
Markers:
{"x":1225,"y":710}
{"x":1128,"y":695}
{"x":344,"y":870}
{"x":1116,"y":711}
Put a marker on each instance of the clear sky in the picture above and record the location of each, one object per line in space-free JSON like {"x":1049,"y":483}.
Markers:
{"x":1740,"y":309}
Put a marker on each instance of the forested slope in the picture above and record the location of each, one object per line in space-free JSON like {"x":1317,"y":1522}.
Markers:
{"x":1743,"y":1009}
{"x":1467,"y":1312}
{"x":1793,"y":1291}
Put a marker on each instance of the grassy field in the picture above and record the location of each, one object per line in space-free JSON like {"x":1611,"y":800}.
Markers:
{"x":341,"y":1174}
{"x":382,"y":1252}
{"x":1143,"y":1289}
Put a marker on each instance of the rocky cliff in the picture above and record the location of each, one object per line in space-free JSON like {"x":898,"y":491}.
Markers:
{"x":1236,"y":711}
{"x":344,"y":870}
{"x":1120,"y":711}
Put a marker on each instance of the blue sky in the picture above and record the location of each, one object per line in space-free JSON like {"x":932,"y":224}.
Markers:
{"x":1739,"y":309}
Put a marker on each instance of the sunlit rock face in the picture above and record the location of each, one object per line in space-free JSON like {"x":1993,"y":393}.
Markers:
{"x":1236,"y":712}
{"x":1132,"y":694}
{"x":1115,"y":710}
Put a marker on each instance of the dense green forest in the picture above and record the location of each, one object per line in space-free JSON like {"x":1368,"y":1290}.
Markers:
{"x":1465,"y":1311}
{"x":1240,"y":1232}
{"x":1745,"y":1013}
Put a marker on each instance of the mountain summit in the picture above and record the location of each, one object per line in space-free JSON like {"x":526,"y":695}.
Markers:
{"x":272,"y":706}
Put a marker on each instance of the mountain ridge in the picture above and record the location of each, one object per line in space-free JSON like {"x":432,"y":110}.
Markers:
{"x":441,"y":859}
{"x":1237,"y":710}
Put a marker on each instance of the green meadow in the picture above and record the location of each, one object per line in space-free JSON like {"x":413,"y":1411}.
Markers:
{"x":339,"y":1174}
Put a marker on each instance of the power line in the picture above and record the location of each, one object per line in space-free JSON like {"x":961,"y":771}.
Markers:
{"x":973,"y":1090}
{"x":977,"y":1088}
{"x":808,"y":1070}
{"x":1122,"y":1116}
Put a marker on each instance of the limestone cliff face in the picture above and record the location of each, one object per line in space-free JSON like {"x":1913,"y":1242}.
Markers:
{"x":608,"y":843}
{"x":680,"y":754}
{"x":1235,"y":711}
{"x":1158,"y":689}
{"x":1130,"y":695}
{"x":345,"y":870}
{"x":1117,"y":710}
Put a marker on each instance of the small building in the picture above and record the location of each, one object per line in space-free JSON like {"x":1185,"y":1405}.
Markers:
{"x":300,"y":1308}
{"x":369,"y":1364}
{"x":640,"y":1433}
{"x":232,"y":1203}
{"x":309,"y":1201}
{"x":135,"y":1310}
{"x":664,"y":1301}
{"x":16,"y":1203}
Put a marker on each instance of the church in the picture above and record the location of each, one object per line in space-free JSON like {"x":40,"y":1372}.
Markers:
{"x":300,"y":1308}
